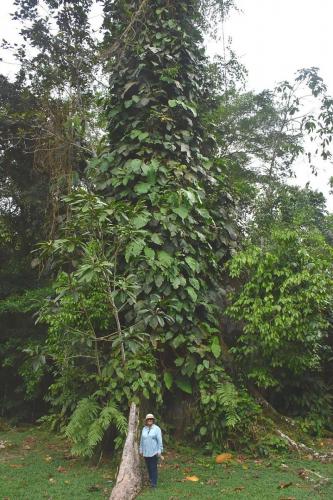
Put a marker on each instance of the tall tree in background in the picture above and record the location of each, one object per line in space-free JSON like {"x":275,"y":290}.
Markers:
{"x":59,"y":64}
{"x":47,"y":135}
{"x":23,"y":200}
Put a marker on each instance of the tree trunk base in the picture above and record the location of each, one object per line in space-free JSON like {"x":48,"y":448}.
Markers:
{"x":129,"y":478}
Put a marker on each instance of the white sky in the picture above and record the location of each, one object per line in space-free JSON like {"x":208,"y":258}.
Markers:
{"x":273,"y":39}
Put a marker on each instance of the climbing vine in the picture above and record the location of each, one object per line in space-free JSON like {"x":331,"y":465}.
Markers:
{"x":149,"y":246}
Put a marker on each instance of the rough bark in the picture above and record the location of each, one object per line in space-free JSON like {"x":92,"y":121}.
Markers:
{"x":129,"y":478}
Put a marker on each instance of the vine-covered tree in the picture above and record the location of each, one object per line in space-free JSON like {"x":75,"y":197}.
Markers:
{"x":150,"y":247}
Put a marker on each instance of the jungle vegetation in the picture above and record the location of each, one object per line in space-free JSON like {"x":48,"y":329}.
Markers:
{"x":152,"y":247}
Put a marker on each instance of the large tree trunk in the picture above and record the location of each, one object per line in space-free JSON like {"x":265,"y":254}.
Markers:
{"x":129,"y":478}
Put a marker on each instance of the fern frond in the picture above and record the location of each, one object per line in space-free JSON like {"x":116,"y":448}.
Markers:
{"x":108,"y":416}
{"x":79,"y":424}
{"x":89,"y":423}
{"x":228,"y":398}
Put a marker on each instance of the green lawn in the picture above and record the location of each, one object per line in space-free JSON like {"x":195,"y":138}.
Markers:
{"x":244,"y":479}
{"x":36,"y":465}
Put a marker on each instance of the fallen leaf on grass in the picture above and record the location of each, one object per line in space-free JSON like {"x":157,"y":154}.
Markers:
{"x":245,"y":467}
{"x":52,"y":480}
{"x":16,"y":466}
{"x":192,"y":478}
{"x":284,"y":466}
{"x":284,"y":485}
{"x":48,"y":458}
{"x":223,"y":457}
{"x":287,"y":498}
{"x":239,"y":488}
{"x":61,"y":469}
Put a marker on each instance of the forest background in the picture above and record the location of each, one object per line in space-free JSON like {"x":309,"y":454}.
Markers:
{"x":152,"y":246}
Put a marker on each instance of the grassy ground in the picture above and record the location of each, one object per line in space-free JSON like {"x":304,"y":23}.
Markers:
{"x":243,"y":478}
{"x":36,"y":465}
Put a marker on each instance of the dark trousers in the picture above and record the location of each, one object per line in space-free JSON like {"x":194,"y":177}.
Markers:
{"x":151,"y":463}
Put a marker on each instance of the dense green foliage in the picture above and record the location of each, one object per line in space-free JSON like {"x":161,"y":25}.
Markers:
{"x":45,"y":133}
{"x":182,"y":271}
{"x":284,"y":304}
{"x":24,"y":193}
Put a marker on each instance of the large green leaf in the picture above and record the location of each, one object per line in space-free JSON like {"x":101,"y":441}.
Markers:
{"x":156,"y":238}
{"x":168,"y":379}
{"x":141,"y":220}
{"x":159,"y":280}
{"x":149,"y":253}
{"x":184,"y":384}
{"x":216,"y":348}
{"x":192,"y":263}
{"x":165,"y":258}
{"x":142,"y":187}
{"x":134,"y":249}
{"x":133,"y":165}
{"x":181,"y":211}
{"x":172,"y":103}
{"x":192,"y":293}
